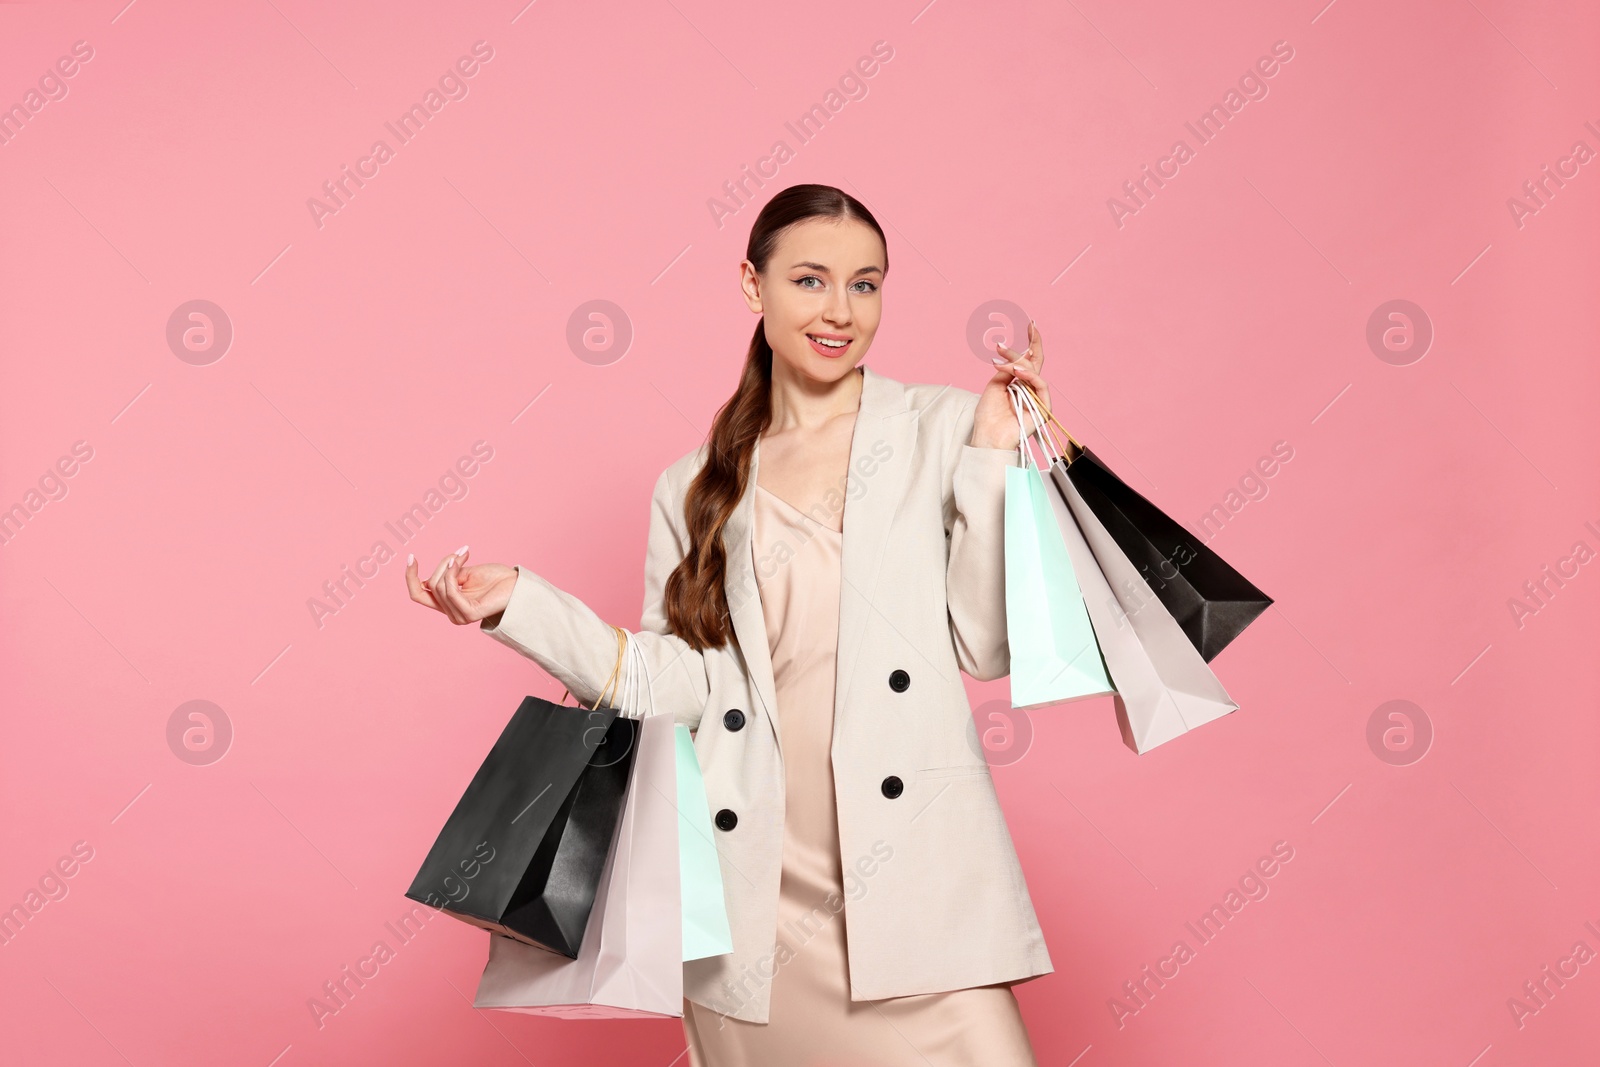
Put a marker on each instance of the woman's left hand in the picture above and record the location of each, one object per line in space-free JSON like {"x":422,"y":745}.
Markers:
{"x":995,"y":422}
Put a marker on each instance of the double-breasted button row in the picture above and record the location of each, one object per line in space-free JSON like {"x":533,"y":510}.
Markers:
{"x":892,"y":786}
{"x":727,"y":818}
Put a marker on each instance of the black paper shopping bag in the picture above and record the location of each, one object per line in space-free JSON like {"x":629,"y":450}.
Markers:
{"x":1211,"y":601}
{"x":523,"y":851}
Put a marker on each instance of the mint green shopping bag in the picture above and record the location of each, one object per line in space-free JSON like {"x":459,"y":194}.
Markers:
{"x":1054,"y":654}
{"x":705,"y":910}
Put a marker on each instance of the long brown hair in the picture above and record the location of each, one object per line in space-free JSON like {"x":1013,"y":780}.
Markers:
{"x":696,"y":600}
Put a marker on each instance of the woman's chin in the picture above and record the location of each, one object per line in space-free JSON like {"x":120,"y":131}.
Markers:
{"x":822,"y":368}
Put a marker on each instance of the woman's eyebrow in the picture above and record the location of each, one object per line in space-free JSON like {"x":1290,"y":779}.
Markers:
{"x":825,"y":270}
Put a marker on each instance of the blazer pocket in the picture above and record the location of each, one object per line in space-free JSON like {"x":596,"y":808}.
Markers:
{"x":955,"y":771}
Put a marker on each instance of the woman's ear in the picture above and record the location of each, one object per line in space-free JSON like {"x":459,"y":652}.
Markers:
{"x":750,"y":282}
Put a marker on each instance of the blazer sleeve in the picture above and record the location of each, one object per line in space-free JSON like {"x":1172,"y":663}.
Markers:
{"x":975,"y":575}
{"x":564,"y":636}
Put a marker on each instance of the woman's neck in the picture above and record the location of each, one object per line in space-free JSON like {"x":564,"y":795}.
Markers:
{"x":805,"y":406}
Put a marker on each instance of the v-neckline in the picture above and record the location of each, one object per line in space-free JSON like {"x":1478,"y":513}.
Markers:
{"x":796,"y":510}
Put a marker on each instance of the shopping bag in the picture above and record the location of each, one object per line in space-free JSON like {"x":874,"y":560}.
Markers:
{"x":630,"y":963}
{"x":1164,"y":686}
{"x":1212,"y":602}
{"x":705,"y":910}
{"x":523,"y":851}
{"x":1054,"y":655}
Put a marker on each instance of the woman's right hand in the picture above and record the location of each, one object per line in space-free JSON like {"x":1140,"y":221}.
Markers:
{"x":465,"y":594}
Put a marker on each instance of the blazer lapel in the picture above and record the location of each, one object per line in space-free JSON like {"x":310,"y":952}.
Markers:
{"x":881,"y":442}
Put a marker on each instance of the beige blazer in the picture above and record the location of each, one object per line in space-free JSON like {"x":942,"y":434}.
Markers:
{"x":935,"y":897}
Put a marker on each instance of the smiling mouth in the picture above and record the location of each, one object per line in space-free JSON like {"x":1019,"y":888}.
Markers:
{"x":829,"y":346}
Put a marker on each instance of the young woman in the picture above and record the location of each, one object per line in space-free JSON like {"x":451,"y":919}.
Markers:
{"x":818,"y":574}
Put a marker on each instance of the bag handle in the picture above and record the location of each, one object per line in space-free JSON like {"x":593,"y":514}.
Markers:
{"x":638,"y":681}
{"x":611,"y":681}
{"x":1047,"y":440}
{"x":1025,"y":458}
{"x":627,"y":695}
{"x":1022,"y":399}
{"x":1048,"y":415}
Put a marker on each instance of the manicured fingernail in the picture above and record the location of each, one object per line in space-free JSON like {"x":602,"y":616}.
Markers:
{"x":999,"y":360}
{"x":452,"y":563}
{"x":460,"y":550}
{"x":410,"y":559}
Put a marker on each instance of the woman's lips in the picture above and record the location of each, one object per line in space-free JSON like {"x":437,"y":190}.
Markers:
{"x":831,"y":353}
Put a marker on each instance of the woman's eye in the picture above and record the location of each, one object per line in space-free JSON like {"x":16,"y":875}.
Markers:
{"x":812,"y":277}
{"x":869,"y":286}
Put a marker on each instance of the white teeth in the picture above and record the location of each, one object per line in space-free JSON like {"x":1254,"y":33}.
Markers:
{"x":825,"y":341}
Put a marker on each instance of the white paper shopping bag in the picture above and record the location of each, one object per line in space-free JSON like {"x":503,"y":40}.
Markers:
{"x":1164,"y":686}
{"x":631,"y":960}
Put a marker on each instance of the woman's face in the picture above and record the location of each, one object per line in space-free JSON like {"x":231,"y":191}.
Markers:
{"x":823,"y":283}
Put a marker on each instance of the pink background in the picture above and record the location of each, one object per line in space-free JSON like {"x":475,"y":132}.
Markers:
{"x":431,"y":312}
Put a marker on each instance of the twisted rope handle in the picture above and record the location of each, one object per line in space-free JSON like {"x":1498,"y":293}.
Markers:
{"x":623,"y":641}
